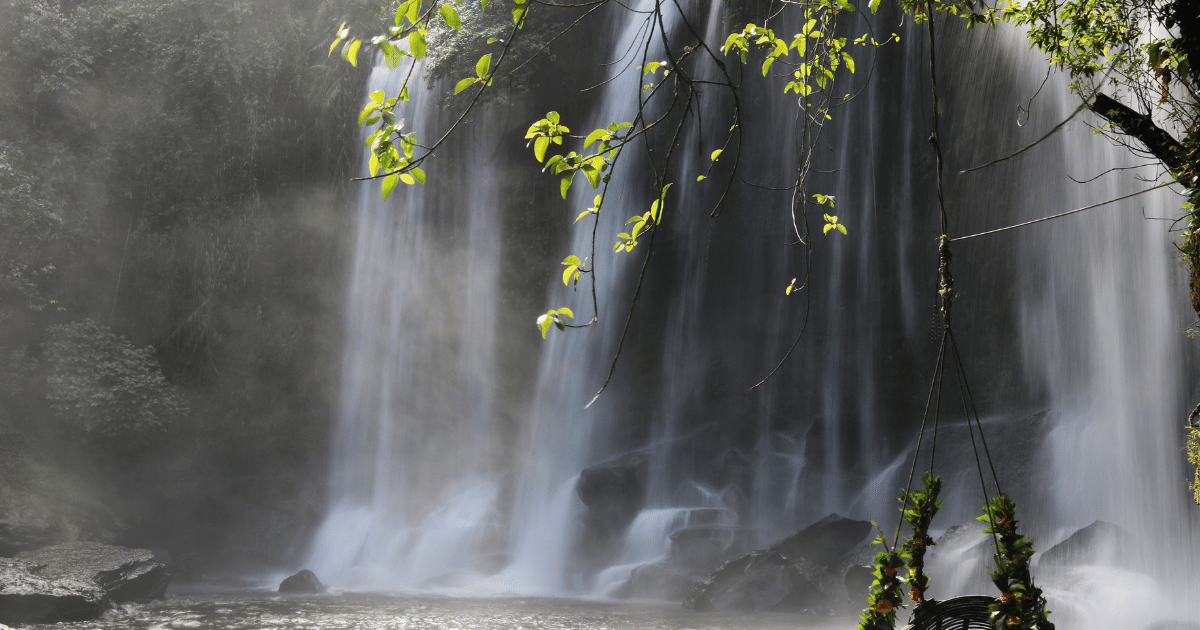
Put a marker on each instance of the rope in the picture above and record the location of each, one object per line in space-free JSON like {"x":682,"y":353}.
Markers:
{"x":938,"y":370}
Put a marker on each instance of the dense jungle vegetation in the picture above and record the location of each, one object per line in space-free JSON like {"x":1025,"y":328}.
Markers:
{"x":172,"y":223}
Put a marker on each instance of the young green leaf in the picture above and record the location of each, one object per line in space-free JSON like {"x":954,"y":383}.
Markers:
{"x":416,"y":43}
{"x":566,"y":311}
{"x":389,"y":184}
{"x":539,"y":147}
{"x":716,"y":154}
{"x":483,"y":65}
{"x":418,"y":174}
{"x":407,"y":179}
{"x":567,"y":274}
{"x":566,"y":183}
{"x":584,"y":214}
{"x":414,"y":10}
{"x":700,"y":178}
{"x":451,"y":16}
{"x":464,"y":84}
{"x":350,"y":51}
{"x":543,"y":324}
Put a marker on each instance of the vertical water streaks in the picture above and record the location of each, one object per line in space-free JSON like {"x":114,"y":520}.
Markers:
{"x":1070,"y":333}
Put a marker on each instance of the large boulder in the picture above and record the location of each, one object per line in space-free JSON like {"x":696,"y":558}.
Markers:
{"x":765,"y":580}
{"x":26,"y":597}
{"x":826,"y":541}
{"x":803,"y":572}
{"x":124,"y":575}
{"x":614,"y":493}
{"x":1100,"y":543}
{"x":304,"y":582}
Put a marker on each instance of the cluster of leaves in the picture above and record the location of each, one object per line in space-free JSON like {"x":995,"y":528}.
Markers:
{"x":887,"y":591}
{"x":815,"y":71}
{"x":1021,"y":605}
{"x":924,"y":507}
{"x":104,"y":384}
{"x":554,"y":317}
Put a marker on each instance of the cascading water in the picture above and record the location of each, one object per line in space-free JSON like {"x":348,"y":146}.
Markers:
{"x":1071,"y":328}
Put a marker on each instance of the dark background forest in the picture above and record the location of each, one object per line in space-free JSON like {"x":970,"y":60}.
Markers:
{"x":173,"y":226}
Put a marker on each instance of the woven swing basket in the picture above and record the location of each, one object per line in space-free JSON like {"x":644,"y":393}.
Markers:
{"x":969,"y":612}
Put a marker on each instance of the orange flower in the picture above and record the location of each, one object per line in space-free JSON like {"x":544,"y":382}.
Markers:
{"x":915,"y":595}
{"x":884,"y":606}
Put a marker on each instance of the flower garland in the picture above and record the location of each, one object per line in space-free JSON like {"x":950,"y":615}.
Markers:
{"x":924,"y":506}
{"x":887,"y":591}
{"x":1020,"y":605}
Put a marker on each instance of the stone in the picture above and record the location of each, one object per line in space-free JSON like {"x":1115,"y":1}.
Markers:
{"x":613,"y":492}
{"x":304,"y":582}
{"x":1097,"y":544}
{"x":663,"y":580}
{"x":765,"y":580}
{"x":124,"y":575}
{"x":824,"y":542}
{"x":705,"y":547}
{"x":26,"y":597}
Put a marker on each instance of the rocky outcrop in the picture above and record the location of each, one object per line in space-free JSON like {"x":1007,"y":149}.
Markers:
{"x":613,"y":492}
{"x":76,"y":581}
{"x":125,"y":575}
{"x":27,"y":598}
{"x":804,"y":572}
{"x":304,"y":582}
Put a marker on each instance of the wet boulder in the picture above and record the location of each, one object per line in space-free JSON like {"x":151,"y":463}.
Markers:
{"x":613,"y":492}
{"x":1101,"y":543}
{"x":26,"y":597}
{"x":826,"y":541}
{"x":765,"y":580}
{"x":304,"y":582}
{"x":123,"y":575}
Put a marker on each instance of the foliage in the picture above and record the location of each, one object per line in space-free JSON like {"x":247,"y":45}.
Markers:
{"x":1021,"y":605}
{"x":924,"y":507}
{"x":887,"y":591}
{"x":1193,"y":454}
{"x":103,"y":383}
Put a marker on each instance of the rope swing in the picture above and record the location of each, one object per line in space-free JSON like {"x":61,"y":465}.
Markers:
{"x":1020,"y":605}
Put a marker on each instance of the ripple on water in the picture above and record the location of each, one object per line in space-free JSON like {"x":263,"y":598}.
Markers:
{"x":367,"y":611}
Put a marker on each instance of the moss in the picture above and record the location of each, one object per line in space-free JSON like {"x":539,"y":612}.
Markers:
{"x":1193,"y":454}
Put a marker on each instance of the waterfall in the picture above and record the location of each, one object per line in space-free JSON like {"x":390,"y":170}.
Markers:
{"x":1071,"y":335}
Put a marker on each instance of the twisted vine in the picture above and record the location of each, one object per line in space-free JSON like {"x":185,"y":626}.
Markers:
{"x":1021,"y":605}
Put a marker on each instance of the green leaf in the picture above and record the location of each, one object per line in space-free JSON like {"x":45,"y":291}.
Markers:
{"x":518,"y":14}
{"x":553,"y":117}
{"x":451,"y":16}
{"x":593,"y":175}
{"x":566,"y":311}
{"x":572,"y":260}
{"x":389,"y":184}
{"x":416,"y":43}
{"x":350,"y":51}
{"x":464,"y":84}
{"x":849,"y":62}
{"x":567,"y":274}
{"x":594,"y":136}
{"x":566,"y":183}
{"x":539,"y":147}
{"x":543,"y":324}
{"x":767,"y":65}
{"x":392,"y":55}
{"x":336,"y":41}
{"x":378,"y":96}
{"x":729,"y":42}
{"x":366,"y":112}
{"x":483,"y":5}
{"x":418,"y":174}
{"x":700,"y":178}
{"x":483,"y":65}
{"x":373,"y":165}
{"x":583,"y":214}
{"x":407,"y":179}
{"x":414,"y":10}
{"x":841,"y":228}
{"x":716,"y":154}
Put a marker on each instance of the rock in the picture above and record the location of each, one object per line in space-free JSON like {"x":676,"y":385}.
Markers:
{"x":765,"y":580}
{"x":124,"y":575}
{"x":705,"y":547}
{"x":28,"y":598}
{"x":664,"y":581}
{"x":303,"y":582}
{"x":1099,"y":543}
{"x":613,"y":492}
{"x":824,"y":542}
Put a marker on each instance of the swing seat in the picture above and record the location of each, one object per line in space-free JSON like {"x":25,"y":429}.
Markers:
{"x":968,"y":612}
